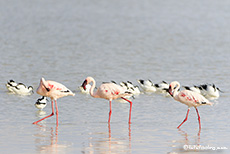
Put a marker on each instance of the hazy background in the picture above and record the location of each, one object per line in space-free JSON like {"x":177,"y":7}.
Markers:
{"x":66,"y":41}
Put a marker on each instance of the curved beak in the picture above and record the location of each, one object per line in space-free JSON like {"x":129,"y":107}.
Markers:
{"x":170,"y":91}
{"x":84,"y":84}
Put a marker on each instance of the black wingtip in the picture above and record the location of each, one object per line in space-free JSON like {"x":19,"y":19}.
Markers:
{"x":186,"y":87}
{"x":220,"y":90}
{"x":156,"y":85}
{"x":113,"y":81}
{"x":127,"y":92}
{"x":141,"y":81}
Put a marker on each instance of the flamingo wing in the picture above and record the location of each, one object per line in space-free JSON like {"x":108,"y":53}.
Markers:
{"x":53,"y":86}
{"x":192,"y":99}
{"x":111,"y":91}
{"x":58,"y":89}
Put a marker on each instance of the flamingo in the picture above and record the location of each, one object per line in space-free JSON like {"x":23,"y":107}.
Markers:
{"x":54,"y":90}
{"x":86,"y":90}
{"x":109,"y":91}
{"x":189,"y":98}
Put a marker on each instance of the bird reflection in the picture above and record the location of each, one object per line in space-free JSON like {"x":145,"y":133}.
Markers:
{"x":40,"y":113}
{"x":52,"y":138}
{"x":109,"y":144}
{"x":130,"y":137}
{"x":110,"y":139}
{"x":185,"y":134}
{"x":185,"y":141}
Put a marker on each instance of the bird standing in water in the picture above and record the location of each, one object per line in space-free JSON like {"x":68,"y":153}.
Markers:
{"x":109,"y":91}
{"x":189,"y":98}
{"x":41,"y":103}
{"x":54,"y":90}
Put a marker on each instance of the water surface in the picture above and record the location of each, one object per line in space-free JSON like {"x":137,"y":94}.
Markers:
{"x":113,"y":40}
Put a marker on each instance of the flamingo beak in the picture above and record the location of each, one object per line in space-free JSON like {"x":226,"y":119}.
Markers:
{"x":170,"y":90}
{"x":84,"y":84}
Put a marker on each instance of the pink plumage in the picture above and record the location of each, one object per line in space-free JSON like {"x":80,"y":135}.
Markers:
{"x":54,"y":90}
{"x":109,"y":91}
{"x":189,"y":98}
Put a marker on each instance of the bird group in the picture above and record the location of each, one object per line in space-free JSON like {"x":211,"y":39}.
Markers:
{"x":18,"y":88}
{"x":194,"y":96}
{"x":128,"y":86}
{"x":209,"y":91}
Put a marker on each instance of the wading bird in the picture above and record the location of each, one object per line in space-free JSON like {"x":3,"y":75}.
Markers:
{"x":189,"y":98}
{"x":54,"y":90}
{"x":109,"y":91}
{"x":41,"y":103}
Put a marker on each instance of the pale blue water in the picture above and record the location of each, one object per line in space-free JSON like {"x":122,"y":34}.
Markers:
{"x":113,"y":40}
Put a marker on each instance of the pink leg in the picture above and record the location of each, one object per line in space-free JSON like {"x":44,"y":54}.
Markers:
{"x":48,"y":115}
{"x":110,"y":111}
{"x":130,"y":109}
{"x":198,"y":118}
{"x":109,"y":131}
{"x":185,"y":118}
{"x":56,"y":112}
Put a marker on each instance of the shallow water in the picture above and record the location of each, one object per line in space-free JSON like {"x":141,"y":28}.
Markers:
{"x":120,"y":40}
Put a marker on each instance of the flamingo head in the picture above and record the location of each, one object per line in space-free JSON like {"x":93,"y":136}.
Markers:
{"x":44,"y":84}
{"x":174,"y":86}
{"x":87,"y":81}
{"x":170,"y":90}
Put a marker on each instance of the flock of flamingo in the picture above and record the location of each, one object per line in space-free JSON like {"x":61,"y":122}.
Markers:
{"x":193,"y":96}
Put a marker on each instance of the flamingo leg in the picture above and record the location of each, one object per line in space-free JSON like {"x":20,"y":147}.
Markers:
{"x":185,"y":118}
{"x":130,"y":109}
{"x":198,"y":118}
{"x":52,"y":104}
{"x":109,"y":131}
{"x":110,"y":110}
{"x":56,"y":112}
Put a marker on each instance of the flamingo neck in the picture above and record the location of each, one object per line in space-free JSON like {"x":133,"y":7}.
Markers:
{"x":91,"y":91}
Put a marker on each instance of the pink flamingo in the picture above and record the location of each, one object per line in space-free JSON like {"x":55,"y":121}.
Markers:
{"x":189,"y":98}
{"x":54,"y":90}
{"x":109,"y":91}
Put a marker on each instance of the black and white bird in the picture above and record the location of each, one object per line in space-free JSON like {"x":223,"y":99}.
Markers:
{"x":194,"y":88}
{"x":146,"y":85}
{"x":10,"y":85}
{"x":41,"y":103}
{"x":162,"y":87}
{"x":22,"y":89}
{"x":210,"y":91}
{"x":19,"y":88}
{"x":134,"y":89}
